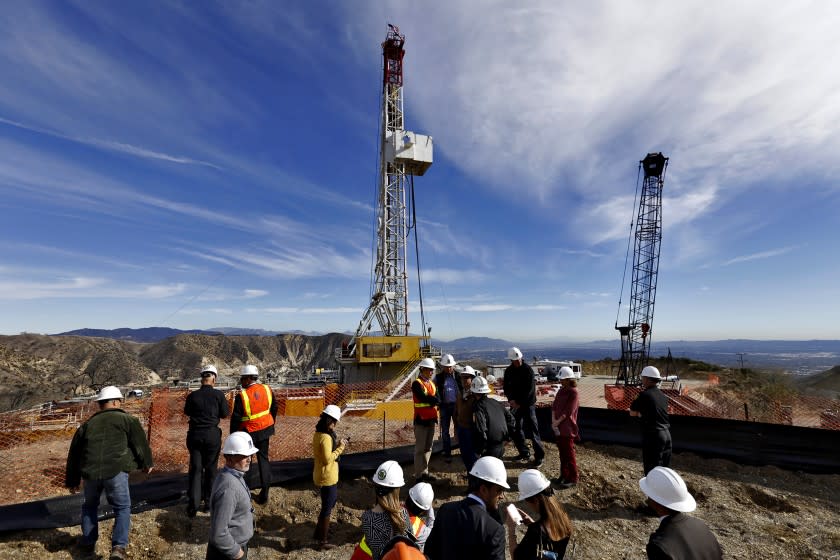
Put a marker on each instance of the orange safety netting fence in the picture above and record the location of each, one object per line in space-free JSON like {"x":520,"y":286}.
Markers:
{"x":34,"y":442}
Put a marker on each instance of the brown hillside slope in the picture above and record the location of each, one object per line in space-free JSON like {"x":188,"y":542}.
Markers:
{"x":825,"y":384}
{"x":182,"y":356}
{"x":40,"y":368}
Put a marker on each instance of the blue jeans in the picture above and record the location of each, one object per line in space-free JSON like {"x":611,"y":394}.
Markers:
{"x":527,"y":427}
{"x":466,"y":444}
{"x":329,"y":496}
{"x":447,"y":411}
{"x":116,"y":491}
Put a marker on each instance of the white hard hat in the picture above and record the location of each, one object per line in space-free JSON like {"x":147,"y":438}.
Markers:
{"x":491,"y":379}
{"x":422,"y":494}
{"x":468,"y":370}
{"x":491,"y":469}
{"x":210,"y":368}
{"x":239,"y":443}
{"x":447,"y":360}
{"x":480,"y":386}
{"x":567,"y":373}
{"x":514,"y":354}
{"x":427,"y":363}
{"x":249,"y":371}
{"x":389,"y":474}
{"x":109,"y":393}
{"x":665,"y":487}
{"x":332,"y":411}
{"x":651,"y":372}
{"x":531,"y":483}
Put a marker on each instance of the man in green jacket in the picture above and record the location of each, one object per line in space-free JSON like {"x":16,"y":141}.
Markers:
{"x":103,"y":451}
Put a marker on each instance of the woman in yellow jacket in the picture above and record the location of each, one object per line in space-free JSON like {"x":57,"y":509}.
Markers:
{"x":325,"y":452}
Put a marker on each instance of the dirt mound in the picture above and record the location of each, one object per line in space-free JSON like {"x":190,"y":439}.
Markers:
{"x":756,"y":513}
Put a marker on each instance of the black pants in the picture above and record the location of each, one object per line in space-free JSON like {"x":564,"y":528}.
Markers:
{"x":526,"y":421}
{"x":494,"y":449}
{"x":656,"y":449}
{"x":204,"y":447}
{"x":214,"y":553}
{"x":261,"y":470}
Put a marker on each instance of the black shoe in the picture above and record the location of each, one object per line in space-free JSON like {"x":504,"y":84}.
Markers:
{"x":538,"y":463}
{"x":205,"y":507}
{"x":190,"y":512}
{"x":262,"y":498}
{"x":564,"y":485}
{"x":86,"y":550}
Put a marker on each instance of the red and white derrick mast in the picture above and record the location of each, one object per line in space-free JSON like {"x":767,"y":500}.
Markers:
{"x":402,"y":155}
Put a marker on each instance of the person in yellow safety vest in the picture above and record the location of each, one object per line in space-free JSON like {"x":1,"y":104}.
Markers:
{"x":421,"y":514}
{"x":424,"y":394}
{"x":387,"y":518}
{"x":254,"y":411}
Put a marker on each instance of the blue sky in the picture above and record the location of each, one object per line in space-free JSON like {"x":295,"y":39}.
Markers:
{"x":206,"y":164}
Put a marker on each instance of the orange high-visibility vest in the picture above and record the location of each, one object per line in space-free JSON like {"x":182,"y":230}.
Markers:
{"x":363,"y":551}
{"x":256,"y":404}
{"x":422,"y":410}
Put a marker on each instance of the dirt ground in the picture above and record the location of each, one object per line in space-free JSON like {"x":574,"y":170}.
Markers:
{"x":756,"y":512}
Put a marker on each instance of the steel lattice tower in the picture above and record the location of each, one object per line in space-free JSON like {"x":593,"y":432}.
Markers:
{"x":637,"y":334}
{"x":398,"y":162}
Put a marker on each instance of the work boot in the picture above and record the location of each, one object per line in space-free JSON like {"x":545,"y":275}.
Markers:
{"x":85,"y":551}
{"x":118,"y":553}
{"x":262,"y":497}
{"x":321,"y":530}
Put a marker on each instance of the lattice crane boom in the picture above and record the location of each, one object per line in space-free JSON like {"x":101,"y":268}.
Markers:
{"x":636,"y":335}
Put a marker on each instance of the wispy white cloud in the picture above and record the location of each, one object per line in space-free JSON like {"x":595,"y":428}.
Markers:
{"x":305,"y":310}
{"x":83,"y":287}
{"x":451,"y":276}
{"x":111,"y":145}
{"x":493,"y":307}
{"x":760,"y":255}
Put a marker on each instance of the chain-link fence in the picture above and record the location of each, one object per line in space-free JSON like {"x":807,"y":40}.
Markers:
{"x":34,"y":442}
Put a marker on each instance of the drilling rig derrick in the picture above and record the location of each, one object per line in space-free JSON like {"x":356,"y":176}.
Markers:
{"x":385,"y":352}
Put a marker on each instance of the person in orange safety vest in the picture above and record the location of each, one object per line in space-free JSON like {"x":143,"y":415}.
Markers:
{"x":424,"y":394}
{"x":254,"y":411}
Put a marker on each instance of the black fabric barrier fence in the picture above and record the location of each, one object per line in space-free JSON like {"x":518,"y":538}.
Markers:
{"x":752,"y":443}
{"x":811,"y":450}
{"x":164,"y":491}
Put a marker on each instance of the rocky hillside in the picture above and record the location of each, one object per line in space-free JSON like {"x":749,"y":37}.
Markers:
{"x":182,"y":356}
{"x":826,"y":384}
{"x":40,"y":368}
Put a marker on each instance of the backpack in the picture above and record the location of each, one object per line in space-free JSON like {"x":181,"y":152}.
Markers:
{"x":402,"y":548}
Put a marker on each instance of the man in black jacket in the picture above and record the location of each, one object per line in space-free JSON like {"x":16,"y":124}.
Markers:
{"x":492,"y":422}
{"x":204,"y":439}
{"x":679,"y":536}
{"x":521,"y":391}
{"x":651,"y":406}
{"x":471,"y":528}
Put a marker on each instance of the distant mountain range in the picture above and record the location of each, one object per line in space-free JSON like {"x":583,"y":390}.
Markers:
{"x":148,"y":334}
{"x":795,"y":356}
